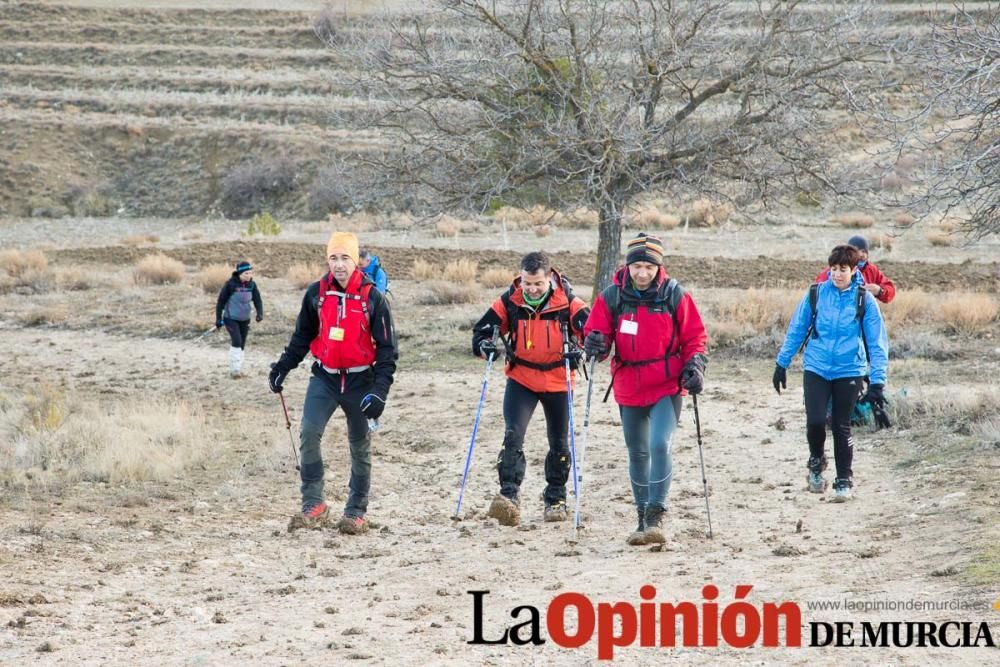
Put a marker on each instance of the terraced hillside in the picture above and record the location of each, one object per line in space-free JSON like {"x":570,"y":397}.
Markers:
{"x":153,"y":108}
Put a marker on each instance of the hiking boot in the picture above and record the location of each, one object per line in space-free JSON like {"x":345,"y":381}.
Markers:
{"x":352,"y":525}
{"x":815,"y":480}
{"x":505,"y":510}
{"x":316,"y":516}
{"x":842,"y":490}
{"x":637,"y":538}
{"x":556,"y":511}
{"x":654,"y":525}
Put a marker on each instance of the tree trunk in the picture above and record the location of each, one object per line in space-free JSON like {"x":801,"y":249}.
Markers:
{"x":608,"y":247}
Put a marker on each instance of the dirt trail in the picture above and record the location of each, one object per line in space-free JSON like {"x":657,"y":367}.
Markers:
{"x":206,"y":574}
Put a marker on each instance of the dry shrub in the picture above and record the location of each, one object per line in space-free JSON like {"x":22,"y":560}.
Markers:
{"x":760,"y":310}
{"x":42,"y":315}
{"x":212,"y":278}
{"x":904,"y":219}
{"x":460,"y":271}
{"x":968,"y":313}
{"x":893,"y":182}
{"x":303,"y":275}
{"x":910,"y":307}
{"x":512,"y":216}
{"x":442,"y":292}
{"x":259,"y":183}
{"x":496,"y":278}
{"x":75,"y":281}
{"x":447,"y":227}
{"x":940,"y":239}
{"x":358,"y":222}
{"x":854,"y":219}
{"x":883,"y":241}
{"x":192,"y":236}
{"x":581,"y":218}
{"x":706,"y":213}
{"x":542,"y":231}
{"x":651,"y":217}
{"x":325,"y":25}
{"x":542,"y":215}
{"x":16,"y":262}
{"x":949,"y":225}
{"x":140,"y":239}
{"x":939,"y":404}
{"x":109,"y":441}
{"x":423,"y":270}
{"x":157,"y":270}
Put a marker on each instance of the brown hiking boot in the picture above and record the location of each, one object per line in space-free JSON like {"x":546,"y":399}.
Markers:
{"x":638,"y":537}
{"x":654,"y":525}
{"x":504,"y":510}
{"x":352,"y":525}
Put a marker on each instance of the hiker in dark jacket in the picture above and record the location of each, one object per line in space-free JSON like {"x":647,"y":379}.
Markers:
{"x":846,"y":319}
{"x":232,"y":310}
{"x":347,"y":326}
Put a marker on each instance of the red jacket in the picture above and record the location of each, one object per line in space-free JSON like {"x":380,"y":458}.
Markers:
{"x":872,"y":276}
{"x":538,"y":338}
{"x":344,"y":339}
{"x":644,"y":332}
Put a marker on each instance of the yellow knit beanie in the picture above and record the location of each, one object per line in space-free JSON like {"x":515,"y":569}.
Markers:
{"x":345,"y":242}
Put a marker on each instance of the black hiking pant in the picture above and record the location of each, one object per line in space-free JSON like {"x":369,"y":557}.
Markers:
{"x":844,"y":394}
{"x":238,"y":331}
{"x":519,"y":404}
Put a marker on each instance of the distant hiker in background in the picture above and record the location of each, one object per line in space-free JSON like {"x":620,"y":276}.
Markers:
{"x":659,"y":341}
{"x":531,"y":315}
{"x":834,"y":334}
{"x":875,"y":281}
{"x":346,"y":324}
{"x":232,"y":310}
{"x":370,"y":264}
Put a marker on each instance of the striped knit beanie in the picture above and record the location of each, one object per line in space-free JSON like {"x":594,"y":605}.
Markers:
{"x":645,"y":248}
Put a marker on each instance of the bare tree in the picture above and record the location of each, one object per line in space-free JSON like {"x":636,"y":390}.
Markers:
{"x":592,"y":102}
{"x":951,"y":121}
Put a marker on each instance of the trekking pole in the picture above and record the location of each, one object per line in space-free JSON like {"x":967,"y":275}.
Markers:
{"x":704,"y":481}
{"x":205,"y":335}
{"x":572,"y":426}
{"x":288,"y":425}
{"x":475,"y":424}
{"x":583,"y":442}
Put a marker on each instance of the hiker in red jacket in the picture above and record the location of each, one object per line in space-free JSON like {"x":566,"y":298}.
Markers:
{"x":532,"y":314}
{"x":876,"y":282}
{"x":659,"y":342}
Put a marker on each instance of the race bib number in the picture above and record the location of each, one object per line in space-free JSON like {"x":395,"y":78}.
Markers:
{"x":630,"y":327}
{"x":336,"y":333}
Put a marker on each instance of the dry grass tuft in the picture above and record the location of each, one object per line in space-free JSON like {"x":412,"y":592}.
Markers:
{"x":878,"y":240}
{"x":140,"y":239}
{"x":582,"y":218}
{"x":706,"y":213}
{"x":956,"y":406}
{"x":542,"y":231}
{"x":909,"y":307}
{"x":442,"y":292}
{"x":303,"y":275}
{"x":461,"y":271}
{"x":940,"y":239}
{"x":854,"y":220}
{"x":651,"y":217}
{"x":157,"y":270}
{"x":447,"y":227}
{"x":757,"y":310}
{"x":212,"y":278}
{"x":424,"y":270}
{"x":16,"y":262}
{"x":968,"y":313}
{"x":110,"y":441}
{"x":496,"y":278}
{"x":42,"y":315}
{"x":904,"y":220}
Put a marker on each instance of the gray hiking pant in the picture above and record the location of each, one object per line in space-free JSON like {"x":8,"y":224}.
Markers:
{"x":322,"y":399}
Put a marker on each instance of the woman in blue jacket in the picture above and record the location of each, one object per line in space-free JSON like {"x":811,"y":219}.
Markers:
{"x":846,"y":319}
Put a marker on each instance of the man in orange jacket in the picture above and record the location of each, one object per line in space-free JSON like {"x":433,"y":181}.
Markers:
{"x":876,"y":282}
{"x":532,"y":314}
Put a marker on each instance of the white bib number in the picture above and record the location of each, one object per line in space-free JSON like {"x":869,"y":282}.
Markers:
{"x":630,"y":327}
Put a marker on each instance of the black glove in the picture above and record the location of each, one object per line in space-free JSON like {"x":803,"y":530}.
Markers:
{"x":373,"y":404}
{"x":596,"y":346}
{"x":780,"y":379}
{"x":488,"y":347}
{"x":260,"y":318}
{"x":574,"y":355}
{"x":276,"y":377}
{"x":220,"y":324}
{"x":693,"y":374}
{"x":875,"y":396}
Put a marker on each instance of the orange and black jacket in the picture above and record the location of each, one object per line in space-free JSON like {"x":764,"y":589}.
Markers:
{"x":535,"y":334}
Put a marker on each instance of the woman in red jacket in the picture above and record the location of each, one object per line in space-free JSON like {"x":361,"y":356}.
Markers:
{"x":659,"y":342}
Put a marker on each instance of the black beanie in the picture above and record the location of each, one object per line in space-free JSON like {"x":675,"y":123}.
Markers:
{"x":242,"y":266}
